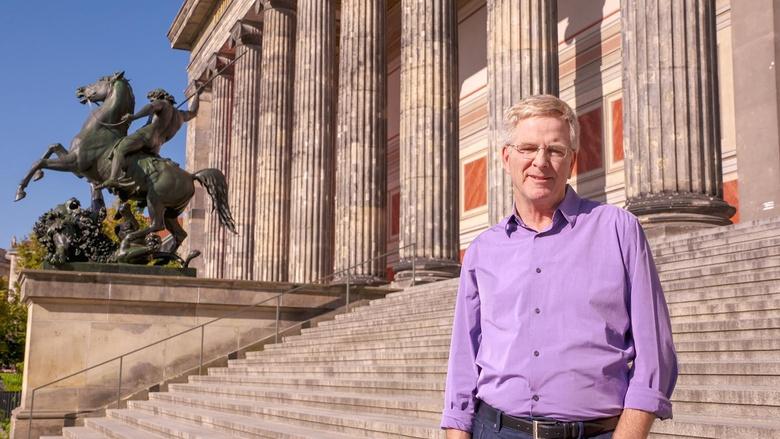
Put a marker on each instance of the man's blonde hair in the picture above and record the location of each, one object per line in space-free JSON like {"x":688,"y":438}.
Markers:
{"x":540,"y":106}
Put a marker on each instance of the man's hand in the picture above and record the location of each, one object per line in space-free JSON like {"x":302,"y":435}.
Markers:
{"x":457,"y":434}
{"x":633,"y":424}
{"x":126,"y":118}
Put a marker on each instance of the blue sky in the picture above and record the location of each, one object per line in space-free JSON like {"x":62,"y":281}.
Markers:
{"x":51,"y":48}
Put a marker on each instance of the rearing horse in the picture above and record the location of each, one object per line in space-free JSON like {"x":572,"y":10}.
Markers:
{"x":101,"y":130}
{"x":159,"y":184}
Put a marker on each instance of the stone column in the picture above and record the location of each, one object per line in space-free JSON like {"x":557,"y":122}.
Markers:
{"x":755,"y":54}
{"x":242,"y":168}
{"x":272,"y":219}
{"x":221,"y":109}
{"x":429,"y":140}
{"x":361,"y":138}
{"x":311,"y":192}
{"x":522,"y":61}
{"x":197,"y":158}
{"x":671,"y":115}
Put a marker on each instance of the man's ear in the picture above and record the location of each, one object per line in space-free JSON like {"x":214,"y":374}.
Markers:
{"x":573,"y":163}
{"x":505,"y":151}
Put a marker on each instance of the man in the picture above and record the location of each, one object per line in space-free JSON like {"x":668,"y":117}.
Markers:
{"x":164,"y":123}
{"x":554,"y":303}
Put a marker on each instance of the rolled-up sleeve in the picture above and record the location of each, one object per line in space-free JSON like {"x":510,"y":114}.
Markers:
{"x":654,"y":372}
{"x":461,"y":385}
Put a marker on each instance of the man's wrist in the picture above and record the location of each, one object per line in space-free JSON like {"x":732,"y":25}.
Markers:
{"x":457,"y":434}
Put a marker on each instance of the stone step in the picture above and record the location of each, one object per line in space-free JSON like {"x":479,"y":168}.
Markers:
{"x":165,"y":427}
{"x":412,"y":325}
{"x":116,"y":429}
{"x":348,"y":422}
{"x":364,"y":357}
{"x":728,"y":380}
{"x":750,"y":401}
{"x":449,"y":284}
{"x":715,"y":295}
{"x":731,"y":280}
{"x":417,"y":371}
{"x":373,"y":334}
{"x":750,"y":311}
{"x":719,"y":255}
{"x":681,"y":310}
{"x":715,"y":245}
{"x":77,"y":433}
{"x":693,"y":426}
{"x":756,"y":344}
{"x":436,"y":305}
{"x":755,"y":355}
{"x":283,"y":348}
{"x":725,"y":325}
{"x":752,"y":368}
{"x":220,"y":424}
{"x":425,"y":387}
{"x":748,"y":230}
{"x":748,"y":266}
{"x":386,"y":319}
{"x":406,"y":405}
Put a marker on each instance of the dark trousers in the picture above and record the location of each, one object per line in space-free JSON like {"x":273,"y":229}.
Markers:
{"x":485,"y":430}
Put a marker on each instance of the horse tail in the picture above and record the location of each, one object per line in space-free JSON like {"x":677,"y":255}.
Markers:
{"x":216,"y":185}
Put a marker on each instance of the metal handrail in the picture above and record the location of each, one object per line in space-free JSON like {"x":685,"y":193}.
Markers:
{"x":202,"y":327}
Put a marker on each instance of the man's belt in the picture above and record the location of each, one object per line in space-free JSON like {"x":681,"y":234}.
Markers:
{"x":543,"y":429}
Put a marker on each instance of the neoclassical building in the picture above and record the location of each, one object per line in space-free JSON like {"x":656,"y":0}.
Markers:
{"x":352,"y":128}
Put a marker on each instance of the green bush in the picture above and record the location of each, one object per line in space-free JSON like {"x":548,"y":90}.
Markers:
{"x":13,"y":324}
{"x":12,"y":382}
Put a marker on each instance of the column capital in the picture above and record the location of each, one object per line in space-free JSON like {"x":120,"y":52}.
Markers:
{"x":217,"y":62}
{"x":246,"y":33}
{"x":287,"y":6}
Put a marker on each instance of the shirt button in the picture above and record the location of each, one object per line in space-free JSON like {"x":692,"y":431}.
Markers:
{"x":538,"y":270}
{"x":535,"y":397}
{"x":537,"y":310}
{"x":536,"y":353}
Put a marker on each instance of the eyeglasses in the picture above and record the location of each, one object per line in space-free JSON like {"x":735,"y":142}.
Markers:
{"x":528,"y":151}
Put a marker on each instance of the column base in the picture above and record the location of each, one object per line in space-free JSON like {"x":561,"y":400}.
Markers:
{"x":671,"y":213}
{"x":359,"y":279}
{"x":423,"y":271}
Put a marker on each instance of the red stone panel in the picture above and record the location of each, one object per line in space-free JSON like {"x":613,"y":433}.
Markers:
{"x":475,"y":184}
{"x":395,"y":213}
{"x":462,"y":253}
{"x":617,"y":130}
{"x":731,"y":196}
{"x":589,"y":157}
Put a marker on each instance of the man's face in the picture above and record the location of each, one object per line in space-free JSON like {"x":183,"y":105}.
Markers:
{"x":539,"y":181}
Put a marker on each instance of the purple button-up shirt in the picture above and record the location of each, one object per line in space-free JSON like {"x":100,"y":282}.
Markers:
{"x":547,"y":323}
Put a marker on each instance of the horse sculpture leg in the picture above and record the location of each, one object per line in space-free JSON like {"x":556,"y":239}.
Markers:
{"x":67,"y":162}
{"x":178,"y":235}
{"x":54,"y":148}
{"x":156,"y":210}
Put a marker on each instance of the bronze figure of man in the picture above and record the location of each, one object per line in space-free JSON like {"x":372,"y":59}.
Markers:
{"x":164,"y":122}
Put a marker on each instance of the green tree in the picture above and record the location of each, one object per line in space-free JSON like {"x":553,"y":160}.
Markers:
{"x":13,"y":323}
{"x":110,"y":223}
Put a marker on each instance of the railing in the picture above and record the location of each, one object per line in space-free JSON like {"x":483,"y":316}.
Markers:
{"x":201,"y":327}
{"x":8,"y":402}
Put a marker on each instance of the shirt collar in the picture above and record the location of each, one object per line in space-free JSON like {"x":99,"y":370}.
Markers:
{"x":569,"y":209}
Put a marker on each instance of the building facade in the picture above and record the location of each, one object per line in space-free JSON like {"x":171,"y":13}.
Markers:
{"x":354,"y":128}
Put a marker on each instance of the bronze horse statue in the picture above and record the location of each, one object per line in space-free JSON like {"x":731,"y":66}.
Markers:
{"x":157,"y":183}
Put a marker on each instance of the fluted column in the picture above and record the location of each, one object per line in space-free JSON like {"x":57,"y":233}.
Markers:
{"x":272,"y":219}
{"x":219,"y":154}
{"x":522,"y":61}
{"x":671,"y":114}
{"x":197,"y":158}
{"x":361,"y":174}
{"x":242,"y":168}
{"x":311,"y":192}
{"x":429,"y":139}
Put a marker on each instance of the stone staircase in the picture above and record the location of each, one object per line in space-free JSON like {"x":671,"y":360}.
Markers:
{"x":379,"y":371}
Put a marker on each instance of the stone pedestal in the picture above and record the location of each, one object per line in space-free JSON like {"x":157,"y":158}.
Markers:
{"x":219,"y":154}
{"x":429,"y":138}
{"x":244,"y":148}
{"x":311,"y":192}
{"x":671,"y":120}
{"x":522,"y":61}
{"x":361,"y":138}
{"x":272,"y":218}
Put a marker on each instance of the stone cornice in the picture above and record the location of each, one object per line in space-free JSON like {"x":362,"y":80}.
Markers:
{"x":189,"y":22}
{"x":280,"y":5}
{"x":216,"y":63}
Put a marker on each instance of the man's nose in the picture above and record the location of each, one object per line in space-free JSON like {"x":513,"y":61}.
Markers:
{"x":541,"y":159}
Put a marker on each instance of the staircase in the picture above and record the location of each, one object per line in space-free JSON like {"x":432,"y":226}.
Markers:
{"x":379,"y":371}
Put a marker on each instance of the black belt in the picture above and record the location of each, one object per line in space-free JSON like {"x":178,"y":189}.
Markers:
{"x":544,"y":429}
